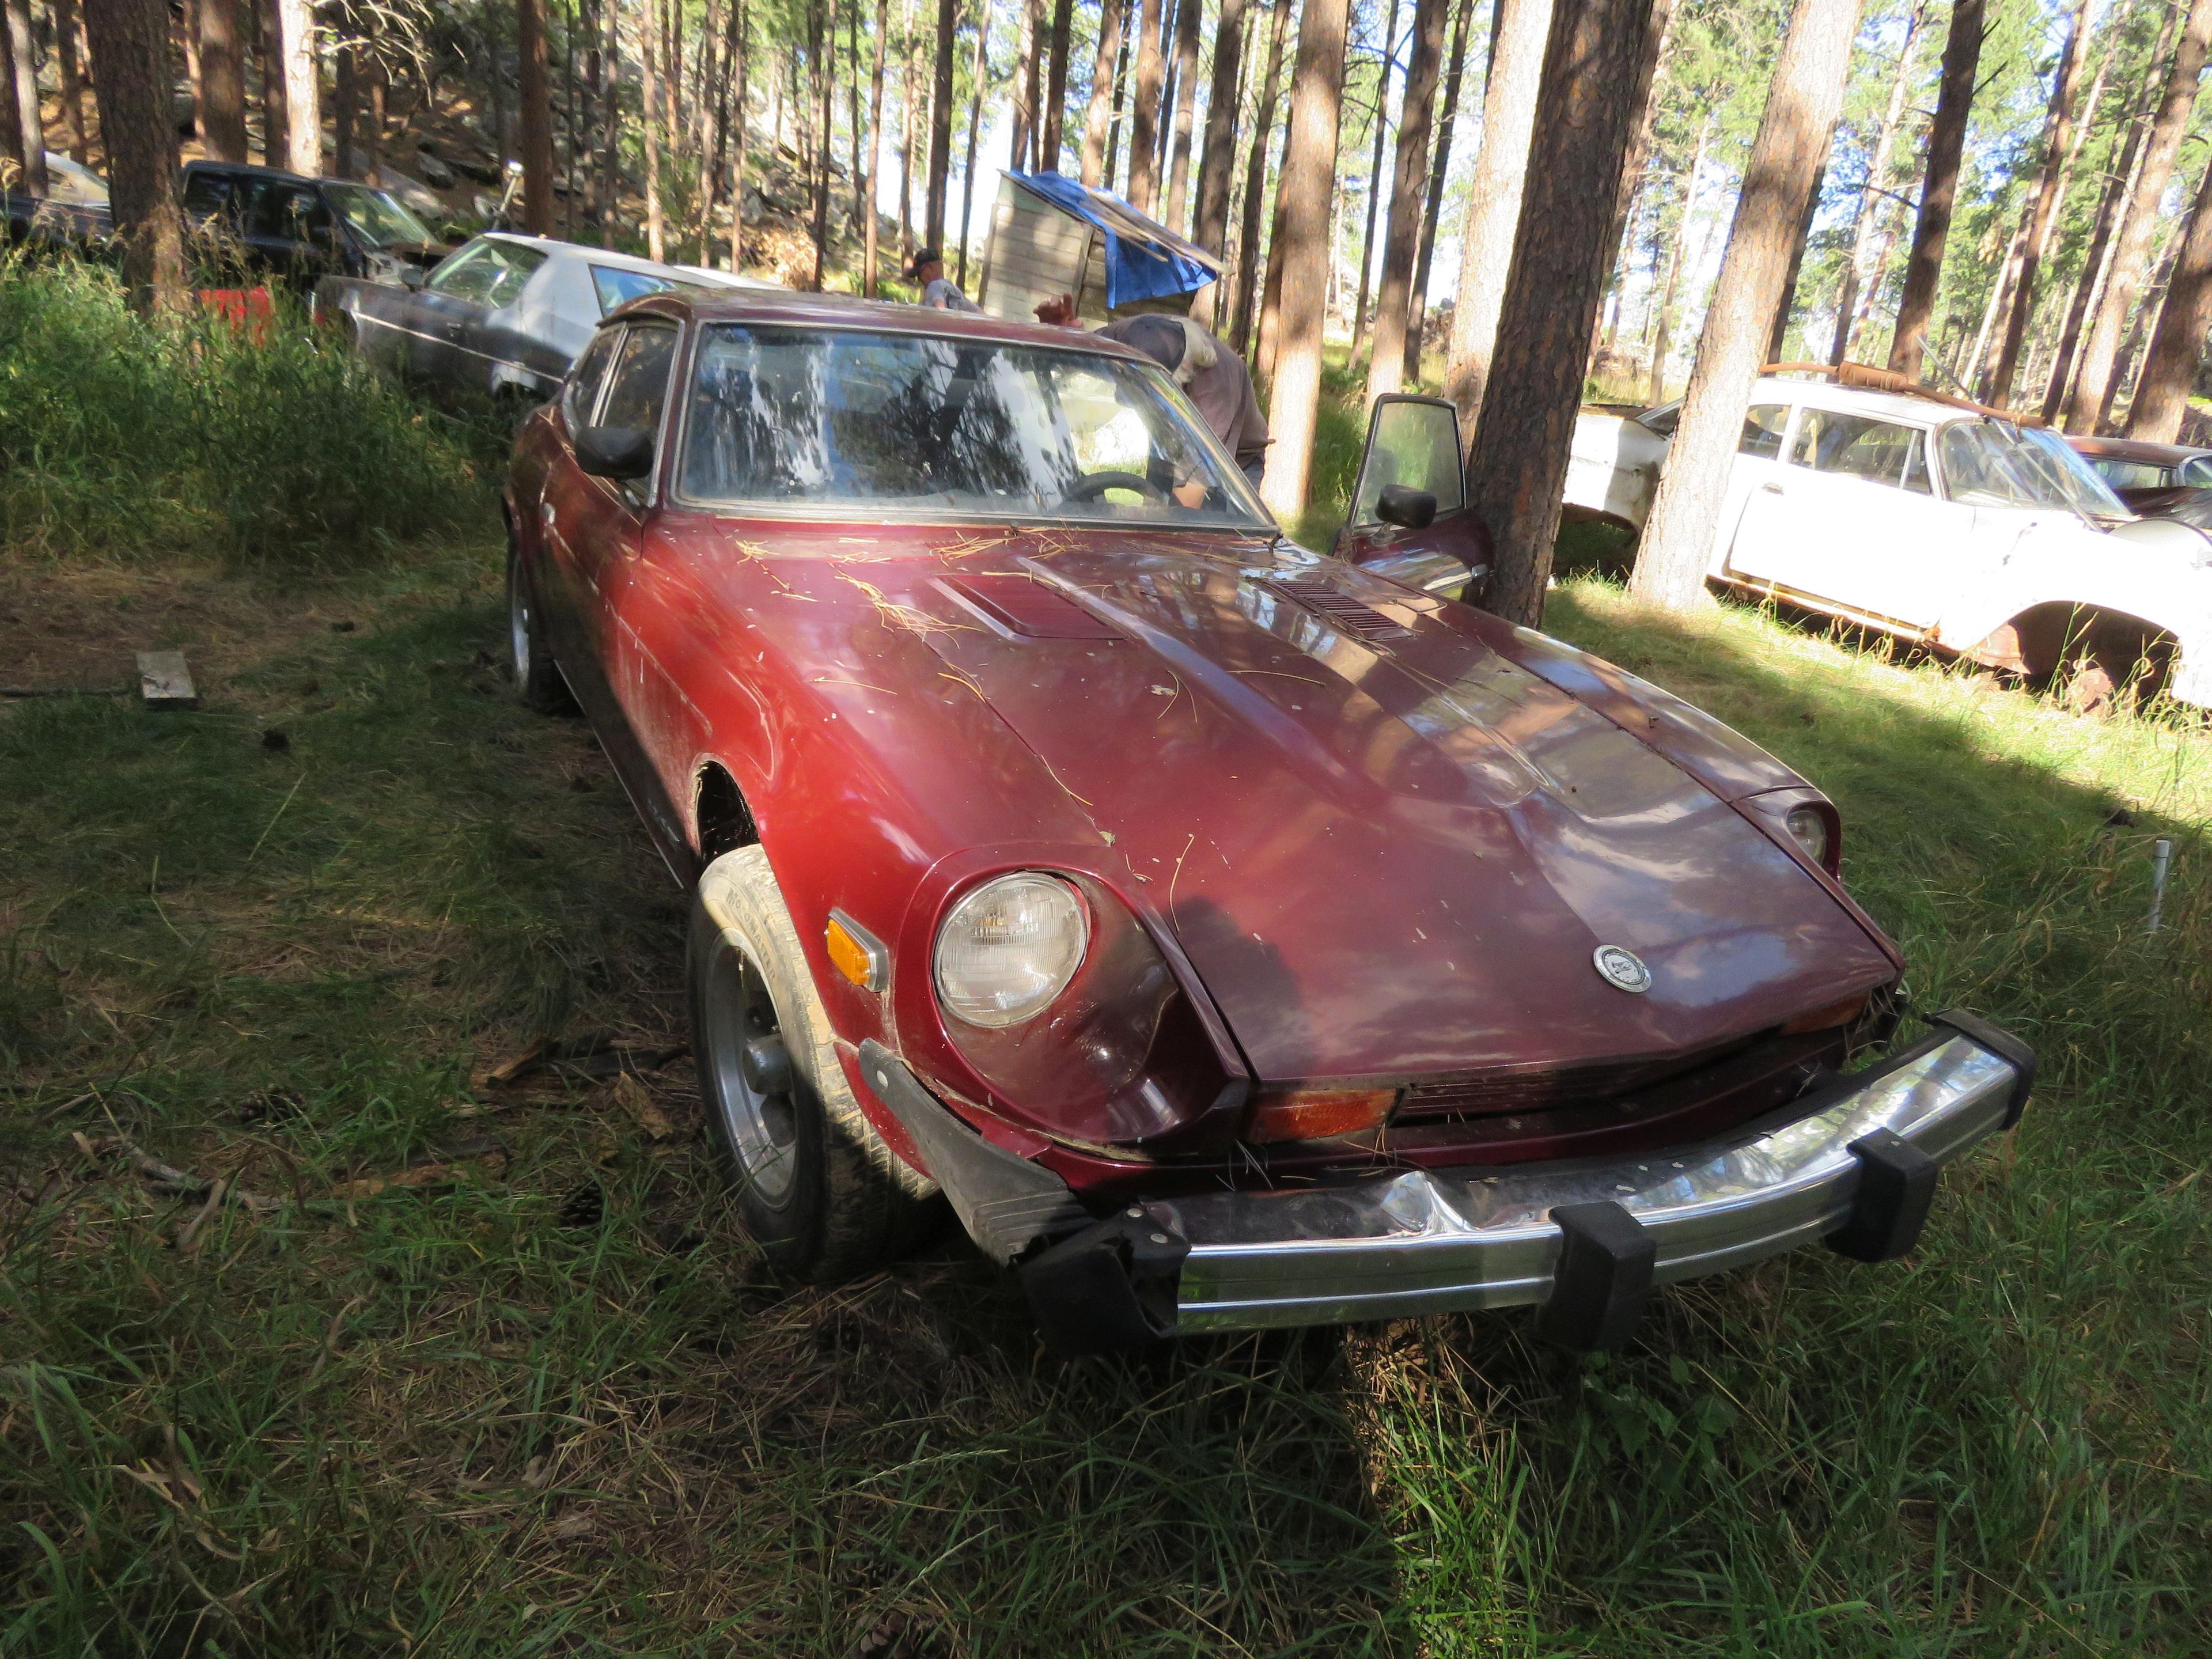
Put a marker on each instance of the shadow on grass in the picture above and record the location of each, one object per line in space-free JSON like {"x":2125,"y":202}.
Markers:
{"x":544,"y":1400}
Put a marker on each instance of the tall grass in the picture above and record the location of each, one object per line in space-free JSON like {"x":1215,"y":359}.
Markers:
{"x":119,"y":435}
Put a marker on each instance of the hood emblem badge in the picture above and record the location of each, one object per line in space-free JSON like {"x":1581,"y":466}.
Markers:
{"x":1622,"y":969}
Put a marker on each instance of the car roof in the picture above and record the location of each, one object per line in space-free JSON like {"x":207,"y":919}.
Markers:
{"x":208,"y":165}
{"x":609,"y":257}
{"x":1861,"y":400}
{"x":2137,"y":449}
{"x":786,"y":308}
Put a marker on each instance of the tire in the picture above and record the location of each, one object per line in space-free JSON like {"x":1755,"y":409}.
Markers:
{"x":819,"y":1190}
{"x":536,"y":681}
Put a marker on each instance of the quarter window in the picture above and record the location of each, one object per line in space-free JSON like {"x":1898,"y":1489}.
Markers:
{"x":2197,"y":471}
{"x":1880,"y":451}
{"x":616,"y":287}
{"x":589,"y":374}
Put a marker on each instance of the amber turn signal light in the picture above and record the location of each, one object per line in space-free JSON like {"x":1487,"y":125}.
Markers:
{"x":856,"y":953}
{"x":1822,"y":1019}
{"x":1318,"y":1114}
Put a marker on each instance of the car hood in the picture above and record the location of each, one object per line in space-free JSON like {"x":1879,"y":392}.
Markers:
{"x":1387,"y":839}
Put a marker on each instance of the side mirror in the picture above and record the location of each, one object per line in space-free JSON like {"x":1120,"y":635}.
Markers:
{"x":412,"y":278}
{"x":1406,"y":507}
{"x":615,"y":451}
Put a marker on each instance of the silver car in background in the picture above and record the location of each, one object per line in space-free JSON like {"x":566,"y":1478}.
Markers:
{"x":503,"y":316}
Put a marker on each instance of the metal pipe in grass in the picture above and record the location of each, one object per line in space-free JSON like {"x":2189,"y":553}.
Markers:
{"x":2161,"y":861}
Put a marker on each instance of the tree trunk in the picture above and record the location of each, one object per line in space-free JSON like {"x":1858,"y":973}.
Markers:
{"x":1271,"y":296}
{"x":70,"y":74}
{"x":979,"y":90}
{"x":871,"y":216}
{"x":1054,"y":116}
{"x":1596,"y":73}
{"x":1217,"y":164}
{"x":1308,"y":173}
{"x":862,"y":171}
{"x":188,"y":37}
{"x":1521,"y":28}
{"x":741,"y":49}
{"x":1417,"y":297}
{"x":1028,"y":74}
{"x":1122,"y":76}
{"x":130,"y":41}
{"x":1856,"y":274}
{"x":1098,"y":117}
{"x":1780,"y":332}
{"x":23,"y":47}
{"x":1187,"y":19}
{"x":1800,"y":113}
{"x":2057,"y":132}
{"x":940,"y":125}
{"x":345,"y":100}
{"x":1662,"y":309}
{"x":649,"y":51}
{"x":536,"y":118}
{"x":1144,"y":114}
{"x":2092,"y":386}
{"x":222,"y":80}
{"x":1386,"y":371}
{"x":1947,"y":136}
{"x":1375,"y":176}
{"x":909,"y":87}
{"x":303,"y":99}
{"x":822,"y":62}
{"x":276,"y":119}
{"x":2177,"y":344}
{"x":14,"y":148}
{"x":1249,"y":277}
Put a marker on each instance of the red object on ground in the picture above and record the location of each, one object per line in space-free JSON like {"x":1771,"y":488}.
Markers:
{"x":249,"y":310}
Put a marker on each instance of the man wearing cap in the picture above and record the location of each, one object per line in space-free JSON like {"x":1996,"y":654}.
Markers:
{"x":1212,"y":376}
{"x":938,"y":293}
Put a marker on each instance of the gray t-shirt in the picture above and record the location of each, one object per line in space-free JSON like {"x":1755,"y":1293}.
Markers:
{"x":942,"y":296}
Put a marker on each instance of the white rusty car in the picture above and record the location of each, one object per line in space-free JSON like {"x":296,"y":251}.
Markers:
{"x":1935,"y":522}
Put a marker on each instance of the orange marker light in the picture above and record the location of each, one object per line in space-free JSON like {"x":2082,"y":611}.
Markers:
{"x":855,"y":952}
{"x":1822,"y":1019}
{"x":1318,"y":1114}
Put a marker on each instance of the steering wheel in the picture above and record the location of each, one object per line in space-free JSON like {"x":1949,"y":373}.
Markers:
{"x":1092,"y":485}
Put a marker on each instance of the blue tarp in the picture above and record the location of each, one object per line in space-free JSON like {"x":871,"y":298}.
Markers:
{"x":1144,"y":259}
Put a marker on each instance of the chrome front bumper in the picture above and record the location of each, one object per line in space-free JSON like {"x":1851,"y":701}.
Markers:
{"x":1417,"y":1242}
{"x":1855,"y":1164}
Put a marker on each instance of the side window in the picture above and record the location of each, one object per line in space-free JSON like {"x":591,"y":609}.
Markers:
{"x":1762,"y":431}
{"x":517,"y":265}
{"x":1661,"y":419}
{"x":2197,"y":471}
{"x":589,"y":374}
{"x":1413,"y":441}
{"x":287,"y":213}
{"x":1857,"y":446}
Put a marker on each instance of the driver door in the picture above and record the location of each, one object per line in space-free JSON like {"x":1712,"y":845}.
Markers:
{"x":1413,"y":443}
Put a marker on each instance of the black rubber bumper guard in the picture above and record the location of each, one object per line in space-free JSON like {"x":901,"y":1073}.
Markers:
{"x":1111,"y":1286}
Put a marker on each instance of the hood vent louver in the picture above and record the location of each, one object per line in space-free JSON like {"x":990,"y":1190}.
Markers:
{"x":1362,"y":621}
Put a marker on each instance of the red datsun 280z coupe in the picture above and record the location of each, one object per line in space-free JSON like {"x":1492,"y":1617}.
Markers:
{"x":1235,"y":936}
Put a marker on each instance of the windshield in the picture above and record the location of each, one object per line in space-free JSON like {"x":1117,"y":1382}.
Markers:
{"x":376,"y":218}
{"x":1991,"y":463}
{"x":791,"y":417}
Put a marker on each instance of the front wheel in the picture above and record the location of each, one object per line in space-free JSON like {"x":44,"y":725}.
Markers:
{"x":819,"y":1189}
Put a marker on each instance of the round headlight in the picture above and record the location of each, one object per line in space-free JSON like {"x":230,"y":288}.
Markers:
{"x":1009,"y":948}
{"x":1808,"y":828}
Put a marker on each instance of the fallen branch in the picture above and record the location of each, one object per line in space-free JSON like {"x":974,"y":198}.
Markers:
{"x":185,"y":1184}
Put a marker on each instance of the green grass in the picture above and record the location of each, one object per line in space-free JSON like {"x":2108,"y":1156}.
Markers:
{"x":488,"y":1414}
{"x":268,"y":447}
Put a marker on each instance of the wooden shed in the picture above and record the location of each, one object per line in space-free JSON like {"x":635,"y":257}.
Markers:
{"x":1042,"y":247}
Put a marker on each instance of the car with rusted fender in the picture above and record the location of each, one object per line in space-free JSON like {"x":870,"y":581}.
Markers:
{"x":1939,"y":521}
{"x":1234,"y":936}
